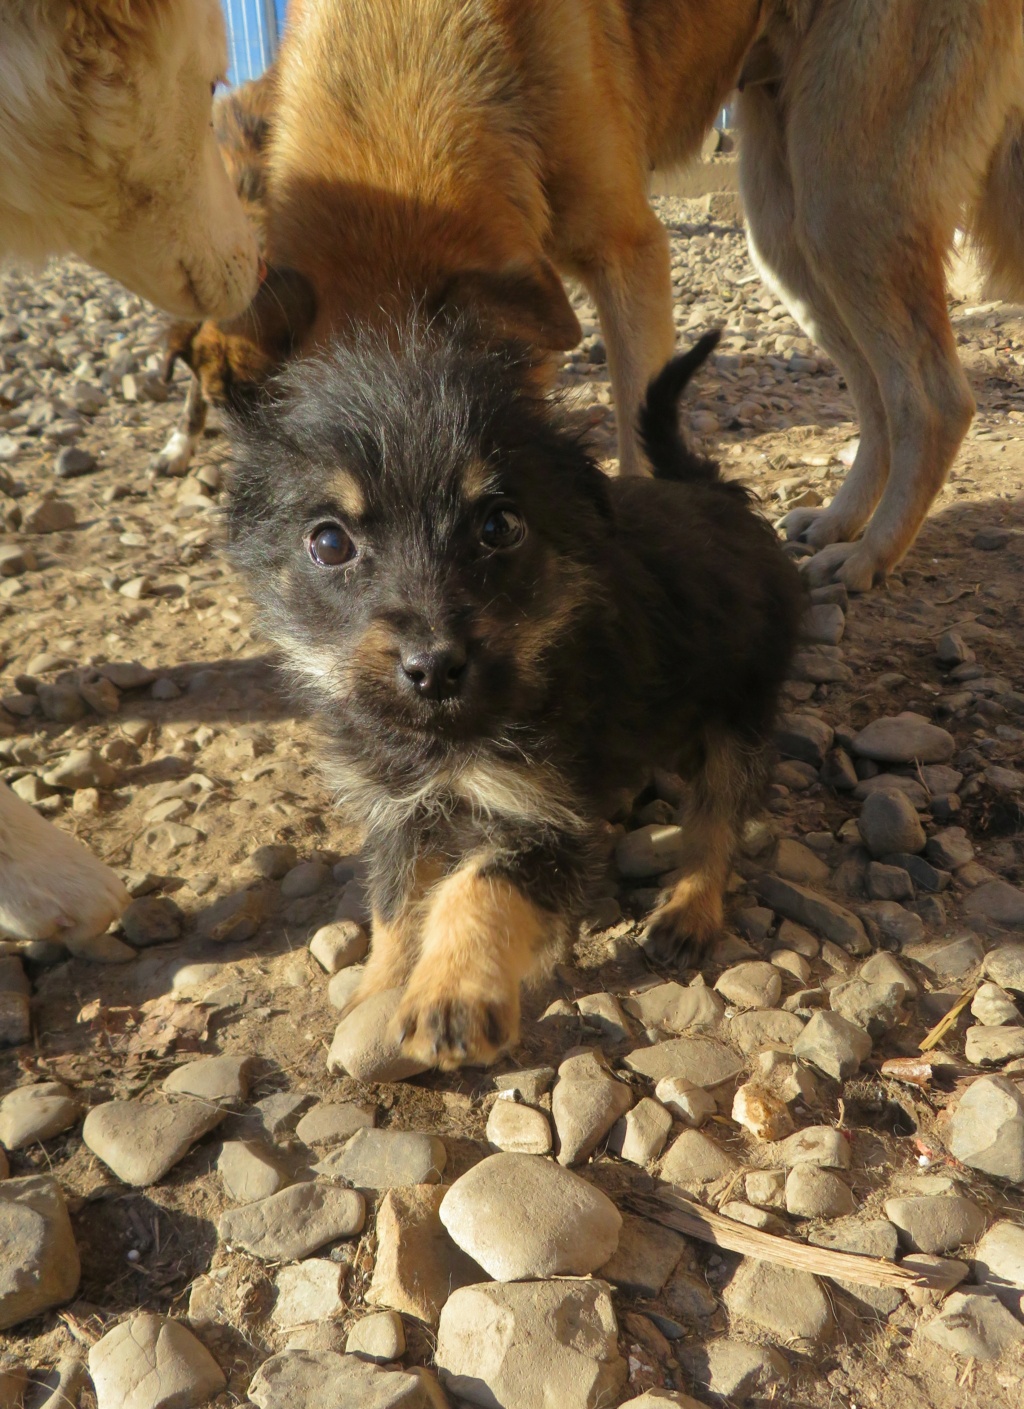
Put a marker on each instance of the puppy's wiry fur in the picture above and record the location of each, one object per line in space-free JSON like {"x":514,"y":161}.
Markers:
{"x":502,"y":639}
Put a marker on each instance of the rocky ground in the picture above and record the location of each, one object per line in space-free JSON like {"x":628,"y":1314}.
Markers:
{"x":262,"y":1213}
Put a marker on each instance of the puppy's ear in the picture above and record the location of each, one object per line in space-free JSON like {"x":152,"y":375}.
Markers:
{"x":526,"y":302}
{"x":178,"y":346}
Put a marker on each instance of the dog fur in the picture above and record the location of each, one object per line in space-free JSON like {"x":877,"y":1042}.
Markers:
{"x":870,"y":130}
{"x":106,"y":151}
{"x":497,"y":639}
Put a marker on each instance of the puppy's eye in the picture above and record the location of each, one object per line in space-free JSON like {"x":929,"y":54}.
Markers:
{"x":503,"y":528}
{"x":330,"y":546}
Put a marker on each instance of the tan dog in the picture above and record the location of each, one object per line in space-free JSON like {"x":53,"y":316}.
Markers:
{"x":106,"y":150}
{"x":870,"y":130}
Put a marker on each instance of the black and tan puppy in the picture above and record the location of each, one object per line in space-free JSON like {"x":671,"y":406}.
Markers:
{"x":497,"y":637}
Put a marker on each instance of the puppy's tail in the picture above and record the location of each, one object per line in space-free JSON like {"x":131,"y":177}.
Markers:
{"x":668,"y":452}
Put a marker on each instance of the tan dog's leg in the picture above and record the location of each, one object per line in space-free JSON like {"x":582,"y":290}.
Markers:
{"x":395,"y":947}
{"x":725,"y":786}
{"x":481,"y":937}
{"x":631,"y":284}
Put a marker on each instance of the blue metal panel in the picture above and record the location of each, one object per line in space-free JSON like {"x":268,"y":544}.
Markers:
{"x":252,"y":36}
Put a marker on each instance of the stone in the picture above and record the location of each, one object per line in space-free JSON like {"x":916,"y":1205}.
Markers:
{"x":804,"y":737}
{"x":788,"y":1305}
{"x":911,"y":789}
{"x":274,"y":860}
{"x":379,"y":1337}
{"x":224,"y":1079}
{"x":152,"y":919}
{"x":875,"y":1007}
{"x":688,"y":1296}
{"x":73,"y":461}
{"x":81,"y":768}
{"x":417,"y":1264}
{"x":736,"y":1371}
{"x":949,"y":959}
{"x":821,"y":1145}
{"x":751,"y":985}
{"x":602,"y":1011}
{"x":307,"y":878}
{"x":344,"y":986}
{"x":824,"y":622}
{"x":233,"y":918}
{"x":307,"y":1379}
{"x":687,"y":1102}
{"x":585,"y":1103}
{"x":936,"y":1223}
{"x":295,"y":1222}
{"x":1005,"y":966}
{"x":518,"y":1130}
{"x":532,"y":1345}
{"x":793,"y":964}
{"x":521,"y":1216}
{"x":673,"y":1007}
{"x":987,"y":1128}
{"x":766,"y":1188}
{"x":650,"y":851}
{"x":662,"y":1399}
{"x":888,"y":822}
{"x":904,"y":738}
{"x":693,"y":1161}
{"x":993,"y":1044}
{"x":31,"y":1114}
{"x":528,"y":1085}
{"x":812,"y":1192}
{"x":328,"y":1122}
{"x":308,"y":1291}
{"x":760,"y":1111}
{"x":867,"y":1237}
{"x":249,"y":1172}
{"x":339,"y":945}
{"x":993,"y":1006}
{"x":279,"y":1113}
{"x":763,"y":1028}
{"x":950,"y":848}
{"x":999,"y":1262}
{"x":40,"y":1267}
{"x":974,"y":1324}
{"x":833,"y":1045}
{"x":702,"y":1060}
{"x":796,"y":862}
{"x":384,"y":1159}
{"x":365,"y":1047}
{"x":902,"y":927}
{"x":818,"y":912}
{"x":151,"y":1362}
{"x":98,"y":693}
{"x":945,"y":1273}
{"x":142,"y":1140}
{"x":50,"y":515}
{"x":741,"y":1212}
{"x":639,"y":1137}
{"x":883,"y":969}
{"x":645,"y":1258}
{"x":999,"y":902}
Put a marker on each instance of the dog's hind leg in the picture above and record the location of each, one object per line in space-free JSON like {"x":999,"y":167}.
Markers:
{"x":726,"y":784}
{"x":769,"y":205}
{"x":630,"y":281}
{"x":176,"y":456}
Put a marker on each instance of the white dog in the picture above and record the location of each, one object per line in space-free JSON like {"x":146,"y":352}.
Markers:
{"x":107,"y":151}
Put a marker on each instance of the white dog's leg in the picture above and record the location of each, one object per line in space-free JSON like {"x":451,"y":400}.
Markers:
{"x":176,"y":456}
{"x":51,"y":887}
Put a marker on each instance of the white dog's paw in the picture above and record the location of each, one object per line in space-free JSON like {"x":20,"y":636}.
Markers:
{"x":51,"y":886}
{"x":176,"y":456}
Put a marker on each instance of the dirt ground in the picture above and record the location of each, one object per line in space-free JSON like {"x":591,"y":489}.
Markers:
{"x":141,"y":577}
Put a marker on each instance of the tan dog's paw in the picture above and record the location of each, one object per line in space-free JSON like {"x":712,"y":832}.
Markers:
{"x":682,"y":933}
{"x":451,"y":1025}
{"x":852,"y":564}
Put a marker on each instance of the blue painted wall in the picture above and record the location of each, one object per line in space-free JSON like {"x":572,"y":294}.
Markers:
{"x":254,"y":27}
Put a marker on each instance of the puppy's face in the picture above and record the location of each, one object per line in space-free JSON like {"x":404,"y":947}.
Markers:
{"x":418,"y":535}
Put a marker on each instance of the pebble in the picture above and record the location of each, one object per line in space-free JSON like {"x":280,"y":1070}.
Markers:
{"x":821,"y":1145}
{"x":248,"y":1171}
{"x":787,"y":1305}
{"x":875,"y":1007}
{"x":308,"y":1291}
{"x":152,"y":919}
{"x":950,"y":848}
{"x":997,"y":901}
{"x":379,"y":1337}
{"x":888,"y":822}
{"x":687,"y":1102}
{"x":674,"y":1007}
{"x":31,"y":1114}
{"x":764,"y":1027}
{"x":51,"y":515}
{"x":736,"y":1371}
{"x":384,"y":1159}
{"x":702,"y":1060}
{"x":417,"y":1264}
{"x":1005,"y":966}
{"x":883,"y":969}
{"x":993,"y":1006}
{"x":339,"y":945}
{"x":151,"y":1362}
{"x":364,"y":1046}
{"x":650,"y":851}
{"x":993,"y":1044}
{"x":81,"y":768}
{"x":639,"y":1137}
{"x":518,"y":1129}
{"x":224,"y":1079}
{"x":766,"y":1188}
{"x":760,"y":1111}
{"x":528,"y":1085}
{"x":522,"y":1216}
{"x":233,"y":918}
{"x":73,"y":461}
{"x":910,"y":788}
{"x":751,"y":985}
{"x":328,"y":1122}
{"x":812,"y":1192}
{"x":40,"y":1266}
{"x":804,"y":737}
{"x":693,"y":1160}
{"x":796,"y":862}
{"x":833,"y":1045}
{"x":936,"y":1223}
{"x":585,"y":1103}
{"x":824,"y":623}
{"x":817,"y":912}
{"x":344,"y":986}
{"x":793,"y":964}
{"x":307,"y":1379}
{"x":987,"y":1128}
{"x":662,"y":1399}
{"x":999,"y":1262}
{"x":533,"y":1345}
{"x":974,"y":1324}
{"x":307,"y":878}
{"x":602,"y":1011}
{"x":142,"y":1140}
{"x":645,"y":1258}
{"x":904,"y":738}
{"x":274,"y":860}
{"x":295,"y":1222}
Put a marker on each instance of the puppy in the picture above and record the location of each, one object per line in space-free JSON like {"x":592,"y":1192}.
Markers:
{"x":497,"y":637}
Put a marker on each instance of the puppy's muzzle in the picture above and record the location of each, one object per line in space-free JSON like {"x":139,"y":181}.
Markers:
{"x":434,"y":672}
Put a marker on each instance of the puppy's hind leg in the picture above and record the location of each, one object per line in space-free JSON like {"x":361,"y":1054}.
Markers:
{"x":725,"y":787}
{"x":176,"y":456}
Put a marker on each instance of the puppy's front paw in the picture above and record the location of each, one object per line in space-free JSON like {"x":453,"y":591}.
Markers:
{"x":681,"y":933}
{"x":451,"y":1024}
{"x":176,"y":456}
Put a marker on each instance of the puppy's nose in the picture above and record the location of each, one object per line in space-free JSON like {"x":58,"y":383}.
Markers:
{"x":436,"y":671}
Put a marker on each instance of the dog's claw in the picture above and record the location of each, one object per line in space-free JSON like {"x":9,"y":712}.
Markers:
{"x":448,"y":1032}
{"x":670,"y":939}
{"x":852,"y":564}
